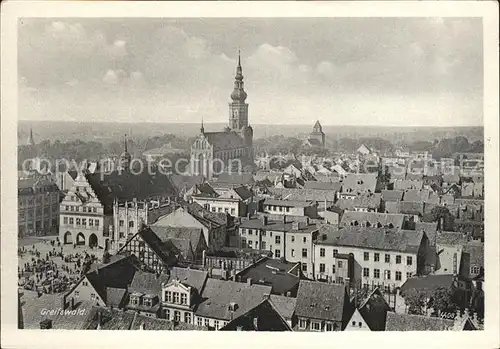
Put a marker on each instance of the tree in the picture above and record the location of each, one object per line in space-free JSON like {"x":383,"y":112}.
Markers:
{"x":442,"y":300}
{"x":444,"y":218}
{"x":416,"y":302}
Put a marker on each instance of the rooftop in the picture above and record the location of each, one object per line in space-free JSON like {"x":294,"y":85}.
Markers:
{"x":407,"y":322}
{"x":288,"y":203}
{"x":320,"y":300}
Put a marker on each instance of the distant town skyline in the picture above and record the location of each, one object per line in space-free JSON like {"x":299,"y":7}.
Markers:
{"x":347,"y":71}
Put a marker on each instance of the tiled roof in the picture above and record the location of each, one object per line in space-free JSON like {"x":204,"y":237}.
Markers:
{"x":416,"y":195}
{"x":451,"y":238}
{"x":25,"y":186}
{"x":191,"y":277}
{"x":385,"y":219}
{"x":410,"y":176}
{"x":115,"y":296}
{"x":218,"y":294}
{"x":430,"y":230}
{"x":476,"y":253}
{"x":374,"y":310}
{"x":32,"y":314}
{"x":224,"y":140}
{"x":148,"y":283}
{"x":371,"y":201}
{"x":392,"y":195}
{"x":392,"y":207}
{"x":184,"y":183}
{"x":207,"y":217}
{"x":407,"y":322}
{"x":284,"y":305}
{"x":320,"y":300}
{"x":142,"y":322}
{"x":334,"y":186}
{"x":126,"y":186}
{"x":271,"y":176}
{"x":372,"y":238}
{"x":414,"y":208}
{"x":304,"y":194}
{"x":288,"y":203}
{"x":234,"y":178}
{"x":272,"y":272}
{"x":359,"y":182}
{"x":156,"y":244}
{"x":408,"y":184}
{"x":256,"y":223}
{"x":427,"y":283}
{"x":192,"y":235}
{"x":262,"y":317}
{"x":243,"y":192}
{"x":451,"y":178}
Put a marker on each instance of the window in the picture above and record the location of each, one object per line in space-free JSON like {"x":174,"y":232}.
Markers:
{"x":304,"y":268}
{"x":409,"y":260}
{"x":316,"y":326}
{"x":84,"y":221}
{"x":366,"y":272}
{"x":376,"y":257}
{"x":474,"y":270}
{"x":340,"y":280}
{"x":94,"y":209}
{"x":250,"y":243}
{"x":329,"y":327}
{"x":304,"y":253}
{"x":277,"y":253}
{"x":207,"y":323}
{"x":305,"y":239}
{"x":77,"y":294}
{"x":219,"y":209}
{"x":243,"y":231}
{"x":232,"y":212}
{"x":96,"y":222}
{"x":78,"y":221}
{"x":199,"y":321}
{"x":387,"y":289}
{"x":121,"y":223}
{"x":387,"y":274}
{"x":408,"y":275}
{"x":187,"y":318}
{"x":321,"y":267}
{"x":92,"y":296}
{"x":250,"y":232}
{"x":376,"y":273}
{"x":216,"y":323}
{"x":175,"y":297}
{"x":398,"y":259}
{"x":177,"y":315}
{"x":292,"y":238}
{"x":167,"y":313}
{"x":388,"y":258}
{"x":333,"y":269}
{"x":183,"y":298}
{"x":213,"y":209}
{"x":73,"y":208}
{"x":263,"y":245}
{"x":84,"y":209}
{"x":366,"y":256}
{"x":71,"y":221}
{"x":67,"y":208}
{"x":91,"y":222}
{"x":277,"y":240}
{"x":398,"y":276}
{"x":321,"y":252}
{"x":302,"y":323}
{"x":263,"y":233}
{"x":339,"y":263}
{"x":335,"y":252}
{"x":65,"y":220}
{"x":293,"y":253}
{"x":131,"y":224}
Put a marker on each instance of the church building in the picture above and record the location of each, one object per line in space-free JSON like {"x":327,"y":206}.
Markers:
{"x":216,"y":152}
{"x":317,"y":136}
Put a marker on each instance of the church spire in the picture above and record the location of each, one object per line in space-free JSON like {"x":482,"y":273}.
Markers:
{"x":31,"y":141}
{"x":202,"y":129}
{"x":238,"y":94}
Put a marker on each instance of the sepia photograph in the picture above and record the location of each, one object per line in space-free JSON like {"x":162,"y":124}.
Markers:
{"x":300,"y":173}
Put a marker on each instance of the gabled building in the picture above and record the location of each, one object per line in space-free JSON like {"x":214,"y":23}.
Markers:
{"x":224,"y":301}
{"x":189,"y":241}
{"x":215,"y":225}
{"x":359,"y":183}
{"x":233,"y":201}
{"x":145,"y":293}
{"x":317,"y":136}
{"x":154,"y":254}
{"x":263,"y":317}
{"x":371,"y":314}
{"x":321,"y":307}
{"x":291,"y":207}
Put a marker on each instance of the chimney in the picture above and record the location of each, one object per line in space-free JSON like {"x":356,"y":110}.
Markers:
{"x":307,"y":220}
{"x":249,"y":281}
{"x":256,"y":323}
{"x":203,"y":257}
{"x":264,"y":220}
{"x":99,"y":319}
{"x":46,"y":324}
{"x":72,"y":303}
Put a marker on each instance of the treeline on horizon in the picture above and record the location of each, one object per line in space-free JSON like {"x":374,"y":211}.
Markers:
{"x":278,"y":144}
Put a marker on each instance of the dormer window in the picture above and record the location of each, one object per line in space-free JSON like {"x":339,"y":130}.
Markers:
{"x":183,"y":298}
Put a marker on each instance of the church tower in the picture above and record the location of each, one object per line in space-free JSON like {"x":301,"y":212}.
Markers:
{"x":238,"y":109}
{"x":125,"y":158}
{"x":318,"y":134}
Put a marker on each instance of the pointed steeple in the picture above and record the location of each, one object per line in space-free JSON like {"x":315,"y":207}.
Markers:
{"x":125,"y":141}
{"x":238,"y":94}
{"x":202,"y":129}
{"x":125,"y":158}
{"x":31,"y":141}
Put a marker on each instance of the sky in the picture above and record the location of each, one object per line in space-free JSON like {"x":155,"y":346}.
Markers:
{"x":341,"y":71}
